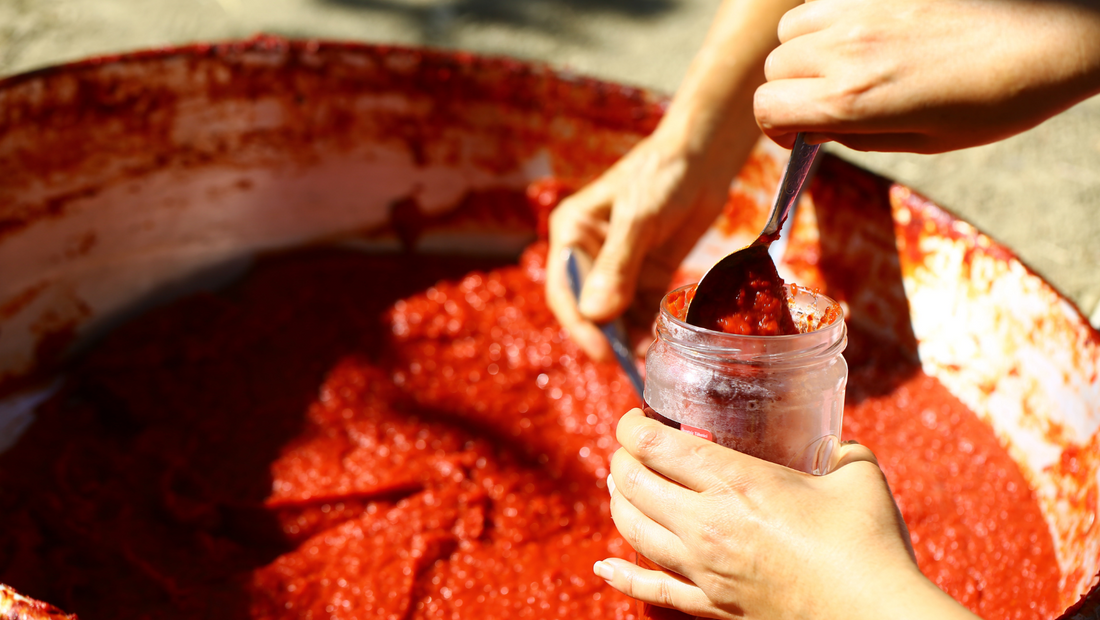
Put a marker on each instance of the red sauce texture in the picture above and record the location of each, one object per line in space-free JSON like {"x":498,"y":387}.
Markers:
{"x":974,"y":522}
{"x":750,"y":300}
{"x":352,"y":436}
{"x":341,"y":435}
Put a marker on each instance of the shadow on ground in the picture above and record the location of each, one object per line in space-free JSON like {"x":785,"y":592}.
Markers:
{"x":439,"y":22}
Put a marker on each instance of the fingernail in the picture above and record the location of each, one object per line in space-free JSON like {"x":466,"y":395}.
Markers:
{"x":603,"y":570}
{"x":610,"y":485}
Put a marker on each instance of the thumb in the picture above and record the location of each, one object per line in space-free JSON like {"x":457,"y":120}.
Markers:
{"x":609,"y":288}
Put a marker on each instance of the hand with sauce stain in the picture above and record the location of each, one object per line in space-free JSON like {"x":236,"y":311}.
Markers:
{"x":641,"y":217}
{"x":927,"y":76}
{"x":739,"y":537}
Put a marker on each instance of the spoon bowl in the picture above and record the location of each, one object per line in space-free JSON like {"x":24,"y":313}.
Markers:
{"x":720,"y":286}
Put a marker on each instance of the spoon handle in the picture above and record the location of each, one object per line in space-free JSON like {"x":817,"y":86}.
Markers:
{"x":802,"y":160}
{"x":613,"y":331}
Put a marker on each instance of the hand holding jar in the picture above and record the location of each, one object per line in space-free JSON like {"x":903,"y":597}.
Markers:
{"x":739,"y":537}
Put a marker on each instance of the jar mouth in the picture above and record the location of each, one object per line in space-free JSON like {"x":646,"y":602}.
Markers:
{"x":822,"y":315}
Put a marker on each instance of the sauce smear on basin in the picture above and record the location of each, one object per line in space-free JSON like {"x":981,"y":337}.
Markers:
{"x":310,"y":445}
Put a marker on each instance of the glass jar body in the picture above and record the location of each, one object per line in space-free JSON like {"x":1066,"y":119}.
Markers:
{"x":779,"y":398}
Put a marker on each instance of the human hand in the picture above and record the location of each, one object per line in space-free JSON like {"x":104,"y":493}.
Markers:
{"x":926,"y":76}
{"x":745,"y":538}
{"x":642,"y":217}
{"x":639,"y":220}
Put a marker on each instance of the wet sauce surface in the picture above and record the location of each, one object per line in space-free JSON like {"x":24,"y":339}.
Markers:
{"x":749,"y":298}
{"x":354,"y":436}
{"x":974,"y":522}
{"x":341,"y":435}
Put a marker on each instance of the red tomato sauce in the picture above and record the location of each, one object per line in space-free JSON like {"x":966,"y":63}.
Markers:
{"x":974,"y":522}
{"x":352,"y":436}
{"x":750,"y":300}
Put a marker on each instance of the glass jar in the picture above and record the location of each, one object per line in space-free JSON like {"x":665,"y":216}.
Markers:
{"x":779,"y":398}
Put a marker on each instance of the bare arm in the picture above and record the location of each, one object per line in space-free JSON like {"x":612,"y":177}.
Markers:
{"x":644,"y":214}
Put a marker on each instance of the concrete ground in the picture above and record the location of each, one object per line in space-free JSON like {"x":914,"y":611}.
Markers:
{"x":1039,"y":192}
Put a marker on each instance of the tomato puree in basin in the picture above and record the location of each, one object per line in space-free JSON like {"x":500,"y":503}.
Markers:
{"x":345,"y":435}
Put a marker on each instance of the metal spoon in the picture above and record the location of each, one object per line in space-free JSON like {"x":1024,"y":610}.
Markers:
{"x":577,"y":264}
{"x":711,"y":289}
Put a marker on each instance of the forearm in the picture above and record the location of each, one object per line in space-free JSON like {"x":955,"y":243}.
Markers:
{"x":901,"y":592}
{"x":713,"y":106}
{"x":1071,"y":54}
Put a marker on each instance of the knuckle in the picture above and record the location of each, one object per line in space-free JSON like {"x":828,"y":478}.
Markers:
{"x":783,"y":29}
{"x":861,"y":38}
{"x":787,"y":25}
{"x":848,"y":101}
{"x":712,"y":544}
{"x":707,"y":457}
{"x":770,"y":68}
{"x":704,"y":452}
{"x":663,"y":595}
{"x":647,"y":441}
{"x":631,"y":481}
{"x":711,"y":534}
{"x":635,"y":534}
{"x":732,"y":487}
{"x":762,"y":104}
{"x":620,"y":460}
{"x":628,"y":583}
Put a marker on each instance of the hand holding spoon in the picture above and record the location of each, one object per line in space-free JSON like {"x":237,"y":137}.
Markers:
{"x":577,"y":265}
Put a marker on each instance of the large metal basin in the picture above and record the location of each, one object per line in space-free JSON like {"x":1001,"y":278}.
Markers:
{"x":128,"y":180}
